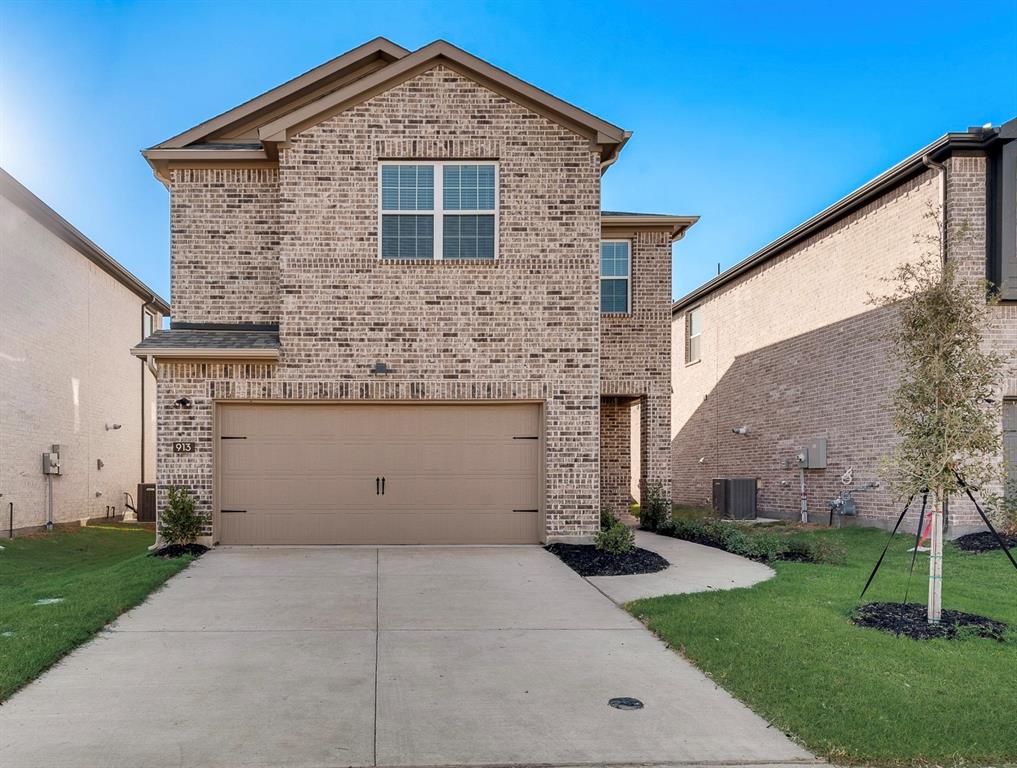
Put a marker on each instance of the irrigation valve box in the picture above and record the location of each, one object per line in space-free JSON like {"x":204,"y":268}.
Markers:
{"x":51,"y":461}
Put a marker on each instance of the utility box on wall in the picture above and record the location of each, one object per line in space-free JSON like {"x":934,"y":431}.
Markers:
{"x":735,"y":498}
{"x":812,"y":455}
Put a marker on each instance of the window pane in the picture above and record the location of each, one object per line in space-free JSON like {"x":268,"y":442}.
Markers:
{"x":407,"y":187}
{"x":614,"y":296}
{"x":468,"y":187}
{"x":694,"y":349}
{"x":614,"y":259}
{"x":468,"y":236}
{"x":695,"y":322}
{"x":407,"y":237}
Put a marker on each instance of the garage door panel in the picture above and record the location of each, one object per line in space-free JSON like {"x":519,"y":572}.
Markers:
{"x":305,"y":474}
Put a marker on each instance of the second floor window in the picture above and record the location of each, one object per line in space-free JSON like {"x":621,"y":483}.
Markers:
{"x":442,"y":210}
{"x":148,"y":325}
{"x":615,"y":277}
{"x":693,"y":334}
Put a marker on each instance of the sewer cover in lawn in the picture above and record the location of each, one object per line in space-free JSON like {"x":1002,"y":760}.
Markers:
{"x":626,"y":702}
{"x":48,"y":600}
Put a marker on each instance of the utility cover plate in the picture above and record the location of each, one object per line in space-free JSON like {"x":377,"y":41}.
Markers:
{"x":625,"y":702}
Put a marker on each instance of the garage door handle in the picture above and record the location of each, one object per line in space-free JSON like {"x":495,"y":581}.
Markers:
{"x":383,"y":486}
{"x":233,"y":511}
{"x":377,"y":486}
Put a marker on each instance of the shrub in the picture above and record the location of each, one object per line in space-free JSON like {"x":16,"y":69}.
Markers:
{"x":762,"y":545}
{"x":813,"y":549}
{"x":1002,"y":510}
{"x":179,"y":523}
{"x":607,"y":518}
{"x":618,"y":539}
{"x":654,"y":506}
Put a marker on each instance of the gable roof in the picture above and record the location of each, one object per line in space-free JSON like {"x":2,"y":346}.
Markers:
{"x":26,"y":200}
{"x":252,"y":131}
{"x":977,"y":139}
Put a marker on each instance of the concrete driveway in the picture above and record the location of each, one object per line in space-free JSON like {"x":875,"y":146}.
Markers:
{"x":390,"y":657}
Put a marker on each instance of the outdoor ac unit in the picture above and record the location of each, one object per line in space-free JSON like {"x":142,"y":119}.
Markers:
{"x":735,"y":498}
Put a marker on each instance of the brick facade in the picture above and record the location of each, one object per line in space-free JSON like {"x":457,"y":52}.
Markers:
{"x":524,"y":327}
{"x":794,"y":350}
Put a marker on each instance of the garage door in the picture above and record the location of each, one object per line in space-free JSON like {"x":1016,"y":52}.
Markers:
{"x":379,"y":474}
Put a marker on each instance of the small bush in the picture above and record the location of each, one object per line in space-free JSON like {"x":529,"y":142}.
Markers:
{"x":607,"y":518}
{"x":813,"y":549}
{"x":179,"y":523}
{"x":1002,"y":510}
{"x":654,"y":506}
{"x":618,"y":539}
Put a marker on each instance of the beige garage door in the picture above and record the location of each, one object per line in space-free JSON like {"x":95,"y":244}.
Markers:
{"x":379,"y":474}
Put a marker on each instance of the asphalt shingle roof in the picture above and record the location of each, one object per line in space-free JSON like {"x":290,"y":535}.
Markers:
{"x":179,"y":338}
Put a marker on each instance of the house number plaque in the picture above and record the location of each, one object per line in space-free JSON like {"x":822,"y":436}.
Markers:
{"x":183,"y":446}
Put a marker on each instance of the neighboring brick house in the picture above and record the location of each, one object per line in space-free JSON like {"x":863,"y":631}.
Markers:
{"x":401,"y":316}
{"x":787,"y":344}
{"x":69,"y":315}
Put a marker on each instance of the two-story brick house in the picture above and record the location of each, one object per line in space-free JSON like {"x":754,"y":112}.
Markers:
{"x":788,"y":345}
{"x":400,"y":315}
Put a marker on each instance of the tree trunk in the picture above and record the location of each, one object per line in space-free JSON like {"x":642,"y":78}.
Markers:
{"x":936,"y":561}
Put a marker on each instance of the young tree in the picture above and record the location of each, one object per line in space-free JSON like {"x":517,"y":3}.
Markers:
{"x":945,"y":407}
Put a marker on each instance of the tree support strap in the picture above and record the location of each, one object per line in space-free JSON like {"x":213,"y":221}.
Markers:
{"x":893,"y":533}
{"x":967,"y":490}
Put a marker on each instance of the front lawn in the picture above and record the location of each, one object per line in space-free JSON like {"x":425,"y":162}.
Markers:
{"x":98,"y":573}
{"x":787,"y":648}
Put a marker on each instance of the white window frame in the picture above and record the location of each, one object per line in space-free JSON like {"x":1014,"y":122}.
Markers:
{"x":627,"y":278}
{"x":150,"y":316}
{"x":439,"y":212}
{"x":689,"y":335}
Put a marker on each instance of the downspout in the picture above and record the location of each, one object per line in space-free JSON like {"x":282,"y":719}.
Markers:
{"x":930,"y":163}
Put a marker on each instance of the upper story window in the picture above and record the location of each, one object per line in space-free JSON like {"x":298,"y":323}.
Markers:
{"x":615,"y":277}
{"x":149,"y":325}
{"x":693,"y":334}
{"x":441,"y":210}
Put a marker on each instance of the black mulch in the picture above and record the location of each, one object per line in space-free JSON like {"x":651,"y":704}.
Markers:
{"x":587,"y":560}
{"x":983,"y":541}
{"x":911,"y":619}
{"x":179,"y":550}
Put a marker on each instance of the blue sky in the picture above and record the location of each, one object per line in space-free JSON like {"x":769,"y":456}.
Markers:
{"x":752,"y":115}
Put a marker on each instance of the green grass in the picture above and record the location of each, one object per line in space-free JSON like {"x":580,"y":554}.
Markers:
{"x":786,"y":648}
{"x":98,"y":573}
{"x":682,"y":512}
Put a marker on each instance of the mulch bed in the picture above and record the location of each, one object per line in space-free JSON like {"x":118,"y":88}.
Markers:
{"x":983,"y":541}
{"x":587,"y":560}
{"x":911,"y":619}
{"x":179,"y":550}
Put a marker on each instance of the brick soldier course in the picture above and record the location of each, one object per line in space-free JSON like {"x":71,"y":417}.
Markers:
{"x":792,"y":348}
{"x":290,"y":241}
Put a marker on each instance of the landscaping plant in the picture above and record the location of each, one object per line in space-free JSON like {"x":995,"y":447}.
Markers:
{"x":618,"y":539}
{"x":654,"y":507}
{"x":179,"y":522}
{"x":945,"y":407}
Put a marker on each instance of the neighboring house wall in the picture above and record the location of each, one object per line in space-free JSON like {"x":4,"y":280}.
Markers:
{"x":794,"y":351}
{"x":66,"y":328}
{"x":524,"y":327}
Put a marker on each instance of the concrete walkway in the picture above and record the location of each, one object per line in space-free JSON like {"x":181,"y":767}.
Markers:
{"x":694,"y":568}
{"x":326,"y":657}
